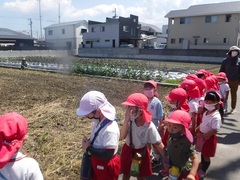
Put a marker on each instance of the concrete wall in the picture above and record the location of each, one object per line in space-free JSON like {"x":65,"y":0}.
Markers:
{"x":45,"y":53}
{"x":203,"y":56}
{"x":206,"y":56}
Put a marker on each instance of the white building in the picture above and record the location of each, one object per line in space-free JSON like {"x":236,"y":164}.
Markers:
{"x":67,"y":35}
{"x":151,"y":36}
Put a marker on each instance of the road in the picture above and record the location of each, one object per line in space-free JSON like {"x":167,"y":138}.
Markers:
{"x":226,"y":164}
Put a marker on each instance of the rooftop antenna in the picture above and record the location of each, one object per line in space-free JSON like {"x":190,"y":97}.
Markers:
{"x":115,"y":13}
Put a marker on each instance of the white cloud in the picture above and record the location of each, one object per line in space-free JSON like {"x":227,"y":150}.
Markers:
{"x":148,"y":11}
{"x":20,"y":5}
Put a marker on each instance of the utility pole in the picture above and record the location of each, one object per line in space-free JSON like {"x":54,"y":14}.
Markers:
{"x":40,"y":18}
{"x":59,"y":14}
{"x":30,"y":20}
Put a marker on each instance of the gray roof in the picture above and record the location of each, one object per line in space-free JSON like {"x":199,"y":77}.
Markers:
{"x":10,"y":34}
{"x":207,"y":9}
{"x":84,"y":22}
{"x":146,"y":27}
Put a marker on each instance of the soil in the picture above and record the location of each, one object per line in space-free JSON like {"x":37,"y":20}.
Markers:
{"x":49,"y":102}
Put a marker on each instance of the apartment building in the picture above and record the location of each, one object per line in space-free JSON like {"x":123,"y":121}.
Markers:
{"x":66,"y":35}
{"x":206,"y":26}
{"x":112,"y":33}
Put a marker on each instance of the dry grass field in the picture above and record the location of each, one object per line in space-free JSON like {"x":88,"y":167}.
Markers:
{"x":49,"y":102}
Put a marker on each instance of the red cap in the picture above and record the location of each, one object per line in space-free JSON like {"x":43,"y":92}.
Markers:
{"x":183,"y":118}
{"x":154,"y":84}
{"x":12,"y":132}
{"x":190,"y":86}
{"x":222,"y":75}
{"x":191,"y":76}
{"x":180,"y":95}
{"x":141,"y":101}
{"x":212,"y":83}
{"x":201,"y":85}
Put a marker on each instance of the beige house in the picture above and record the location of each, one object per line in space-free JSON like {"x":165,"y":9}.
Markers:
{"x":206,"y":26}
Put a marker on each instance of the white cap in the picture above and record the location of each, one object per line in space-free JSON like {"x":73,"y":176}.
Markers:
{"x":93,"y":100}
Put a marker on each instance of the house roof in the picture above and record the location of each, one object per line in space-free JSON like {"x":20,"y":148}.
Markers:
{"x":149,"y":27}
{"x":68,"y":23}
{"x":10,"y":34}
{"x":207,"y":9}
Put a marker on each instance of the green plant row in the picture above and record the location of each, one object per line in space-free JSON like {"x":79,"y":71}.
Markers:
{"x":121,"y":68}
{"x":128,"y":69}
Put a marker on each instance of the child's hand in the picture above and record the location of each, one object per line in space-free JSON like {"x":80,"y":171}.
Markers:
{"x":85,"y":143}
{"x":190,"y":177}
{"x":128,"y":113}
{"x":199,"y":134}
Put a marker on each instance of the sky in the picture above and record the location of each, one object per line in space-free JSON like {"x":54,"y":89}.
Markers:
{"x":24,"y":15}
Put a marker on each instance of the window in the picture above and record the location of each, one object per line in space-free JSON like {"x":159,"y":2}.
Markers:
{"x":102,"y":29}
{"x":225,"y":40}
{"x":195,"y":41}
{"x":205,"y":40}
{"x":185,"y":20}
{"x":107,"y":40}
{"x":125,"y":28}
{"x":92,"y":29}
{"x":181,"y":40}
{"x":210,"y":19}
{"x":50,"y":32}
{"x":63,"y":31}
{"x":228,"y":18}
{"x":172,"y":21}
{"x":83,"y":31}
{"x":173,"y":41}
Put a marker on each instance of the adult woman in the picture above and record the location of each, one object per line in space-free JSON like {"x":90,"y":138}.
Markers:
{"x":231,"y":66}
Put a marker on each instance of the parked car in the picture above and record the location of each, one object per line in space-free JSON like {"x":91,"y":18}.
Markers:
{"x":126,"y":46}
{"x":161,"y":46}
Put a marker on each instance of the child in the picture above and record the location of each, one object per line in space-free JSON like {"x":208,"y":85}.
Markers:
{"x":154,"y":104}
{"x":194,"y":96}
{"x":138,"y":131}
{"x":223,"y":88}
{"x":14,"y":164}
{"x":156,"y":110}
{"x":180,"y":149}
{"x":177,"y":100}
{"x":104,"y":137}
{"x":211,"y":123}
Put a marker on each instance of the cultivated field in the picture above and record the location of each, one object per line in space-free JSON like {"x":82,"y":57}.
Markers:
{"x":49,"y":102}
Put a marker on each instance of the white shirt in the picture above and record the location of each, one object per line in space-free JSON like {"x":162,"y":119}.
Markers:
{"x":224,"y":87}
{"x":143,"y":135}
{"x":108,"y":136}
{"x":193,"y":105}
{"x":211,"y":121}
{"x":26,"y":168}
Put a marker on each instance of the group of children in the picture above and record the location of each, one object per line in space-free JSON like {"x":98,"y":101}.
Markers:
{"x":195,"y":116}
{"x":196,"y":113}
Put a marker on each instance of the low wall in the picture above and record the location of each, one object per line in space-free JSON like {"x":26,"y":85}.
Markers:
{"x":203,"y":56}
{"x":53,"y":53}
